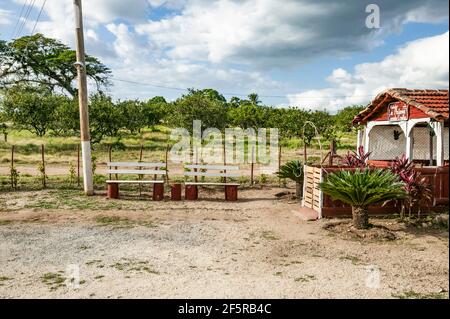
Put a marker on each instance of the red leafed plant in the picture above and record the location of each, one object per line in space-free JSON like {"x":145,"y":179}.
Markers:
{"x":357,"y":159}
{"x":416,"y":186}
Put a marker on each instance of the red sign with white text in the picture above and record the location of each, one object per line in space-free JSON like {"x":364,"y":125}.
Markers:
{"x":398,"y":111}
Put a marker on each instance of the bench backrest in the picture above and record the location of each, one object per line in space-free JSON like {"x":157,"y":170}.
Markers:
{"x":212,"y":170}
{"x":136,"y":168}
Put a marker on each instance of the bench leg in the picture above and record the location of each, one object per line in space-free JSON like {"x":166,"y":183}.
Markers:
{"x":191,"y":192}
{"x":231,"y":192}
{"x":158,"y":191}
{"x":175,"y":192}
{"x":113,"y":190}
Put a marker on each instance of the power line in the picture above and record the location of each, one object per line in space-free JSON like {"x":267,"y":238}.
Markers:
{"x":32,"y":31}
{"x":26,"y":16}
{"x":240,"y":94}
{"x":18,"y":19}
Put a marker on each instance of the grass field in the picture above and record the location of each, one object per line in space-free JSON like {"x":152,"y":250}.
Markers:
{"x":61,"y":155}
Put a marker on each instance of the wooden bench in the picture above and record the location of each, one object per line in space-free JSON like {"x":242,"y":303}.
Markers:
{"x":136,"y":168}
{"x":196,"y":170}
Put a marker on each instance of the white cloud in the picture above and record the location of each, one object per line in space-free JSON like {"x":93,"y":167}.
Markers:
{"x":268,"y":34}
{"x":421,"y":63}
{"x":5,"y":17}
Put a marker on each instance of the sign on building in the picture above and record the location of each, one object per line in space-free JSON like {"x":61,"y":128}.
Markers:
{"x":398,"y":111}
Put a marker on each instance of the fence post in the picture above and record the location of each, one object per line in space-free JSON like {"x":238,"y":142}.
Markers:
{"x":252,"y":164}
{"x":78,"y":165}
{"x":279,"y":163}
{"x":43,"y":166}
{"x":224,"y":160}
{"x":110,"y":157}
{"x":305,"y":156}
{"x":12,"y":165}
{"x":140,"y":160}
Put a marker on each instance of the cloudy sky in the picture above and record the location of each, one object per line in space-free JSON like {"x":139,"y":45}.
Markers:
{"x":316,"y":54}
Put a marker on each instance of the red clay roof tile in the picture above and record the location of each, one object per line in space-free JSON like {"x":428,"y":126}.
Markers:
{"x":434,"y":103}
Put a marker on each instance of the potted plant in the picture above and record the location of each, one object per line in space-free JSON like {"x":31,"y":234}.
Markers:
{"x":362,"y":188}
{"x":293,"y":170}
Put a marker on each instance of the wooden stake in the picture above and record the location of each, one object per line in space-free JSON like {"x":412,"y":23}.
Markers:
{"x":224,"y":161}
{"x":12,"y":165}
{"x":305,"y":156}
{"x":78,"y":165}
{"x":252,"y":164}
{"x":43,"y":166}
{"x":140,"y":160}
{"x":196,"y":163}
{"x":279,"y":162}
{"x":110,"y":157}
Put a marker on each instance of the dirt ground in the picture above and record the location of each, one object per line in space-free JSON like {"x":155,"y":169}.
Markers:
{"x":258,"y":247}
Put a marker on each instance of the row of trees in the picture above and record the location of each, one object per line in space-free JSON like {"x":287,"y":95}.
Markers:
{"x":41,"y":111}
{"x":38,"y":94}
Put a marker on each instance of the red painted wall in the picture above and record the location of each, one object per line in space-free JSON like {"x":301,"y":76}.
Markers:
{"x":413,"y":113}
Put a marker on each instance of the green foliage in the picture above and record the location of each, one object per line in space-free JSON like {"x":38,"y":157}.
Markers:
{"x":198,"y":105}
{"x":104,"y":118}
{"x":37,"y":59}
{"x":131,"y":115}
{"x":72,"y":174}
{"x":362,"y":188}
{"x":42,"y":175}
{"x":292,"y":170}
{"x":31,"y":108}
{"x":14,"y":174}
{"x":263,"y":179}
{"x":345,"y":116}
{"x":66,"y":118}
{"x":94,"y":164}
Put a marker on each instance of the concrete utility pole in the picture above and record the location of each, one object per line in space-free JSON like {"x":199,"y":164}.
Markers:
{"x":83,"y":101}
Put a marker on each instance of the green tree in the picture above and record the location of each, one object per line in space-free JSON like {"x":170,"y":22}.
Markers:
{"x":31,"y":108}
{"x":104,"y":118}
{"x":247,"y":115}
{"x":132,"y":115}
{"x":156,"y":110}
{"x":254,"y":99}
{"x":36,"y":59}
{"x":66,"y":119}
{"x":343,"y":118}
{"x":362,"y":188}
{"x":196,"y":106}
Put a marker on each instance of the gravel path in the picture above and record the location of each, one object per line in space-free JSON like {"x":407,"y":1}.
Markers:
{"x":255,"y":248}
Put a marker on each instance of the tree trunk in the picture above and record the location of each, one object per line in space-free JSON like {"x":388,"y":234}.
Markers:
{"x":298,"y":190}
{"x":360,"y":217}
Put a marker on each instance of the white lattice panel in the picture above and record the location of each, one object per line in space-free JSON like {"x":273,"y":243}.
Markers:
{"x":383,"y":145}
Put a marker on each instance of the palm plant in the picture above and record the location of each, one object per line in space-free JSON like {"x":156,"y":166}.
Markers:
{"x":362,"y":188}
{"x":293,"y":170}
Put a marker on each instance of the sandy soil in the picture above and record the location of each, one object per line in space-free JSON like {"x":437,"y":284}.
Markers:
{"x":257,"y":247}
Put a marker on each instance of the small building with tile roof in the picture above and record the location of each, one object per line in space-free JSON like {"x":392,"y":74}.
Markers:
{"x":406,"y":121}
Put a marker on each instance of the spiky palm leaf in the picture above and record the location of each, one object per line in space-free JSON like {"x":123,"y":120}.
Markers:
{"x":292,"y":170}
{"x":362,"y":188}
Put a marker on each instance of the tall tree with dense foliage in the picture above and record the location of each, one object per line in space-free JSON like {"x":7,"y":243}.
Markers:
{"x":197,"y":106}
{"x":39,"y":60}
{"x":31,"y":108}
{"x":344,"y":117}
{"x":104,"y":117}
